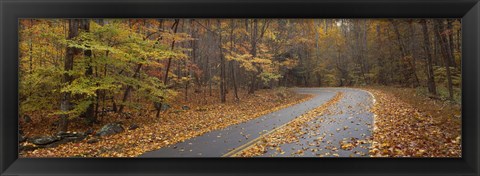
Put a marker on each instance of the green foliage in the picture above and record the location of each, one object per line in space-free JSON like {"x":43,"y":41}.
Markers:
{"x":37,"y":90}
{"x":266,"y":77}
{"x":117,"y":48}
{"x":443,"y":94}
{"x":79,"y":107}
{"x":441,"y":76}
{"x":133,"y":54}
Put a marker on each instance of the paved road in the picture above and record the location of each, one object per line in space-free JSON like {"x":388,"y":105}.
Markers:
{"x":348,"y":121}
{"x":353,"y":106}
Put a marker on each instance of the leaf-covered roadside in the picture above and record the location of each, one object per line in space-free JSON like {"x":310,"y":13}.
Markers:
{"x":408,"y":124}
{"x":288,"y":133}
{"x":174,"y":126}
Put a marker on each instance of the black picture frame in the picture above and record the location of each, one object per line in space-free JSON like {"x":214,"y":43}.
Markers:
{"x":12,"y":10}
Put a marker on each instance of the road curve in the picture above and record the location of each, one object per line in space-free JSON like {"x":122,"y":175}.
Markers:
{"x":354,"y":106}
{"x":349,"y":121}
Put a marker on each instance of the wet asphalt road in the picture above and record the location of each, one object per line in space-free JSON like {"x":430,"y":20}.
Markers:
{"x":352,"y":111}
{"x":347,"y":121}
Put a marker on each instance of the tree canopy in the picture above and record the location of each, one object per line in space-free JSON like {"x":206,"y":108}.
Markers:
{"x":78,"y":68}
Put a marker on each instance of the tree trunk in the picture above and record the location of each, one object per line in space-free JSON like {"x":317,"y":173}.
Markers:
{"x":129,"y":89}
{"x":175,"y":27}
{"x":410,"y":67}
{"x":450,"y":42}
{"x":165,"y":81}
{"x":439,"y":26}
{"x":253,"y":52}
{"x":222,"y":64}
{"x":65,"y":105}
{"x":193,"y":57}
{"x":31,"y":47}
{"x":232,"y":48}
{"x":432,"y":88}
{"x":89,"y":114}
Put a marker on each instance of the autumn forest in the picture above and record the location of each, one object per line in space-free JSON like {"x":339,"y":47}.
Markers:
{"x":241,"y":87}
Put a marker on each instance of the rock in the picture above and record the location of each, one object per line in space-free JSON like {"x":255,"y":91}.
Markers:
{"x":73,"y":139}
{"x":133,"y":127}
{"x":185,"y":107}
{"x":93,"y":140}
{"x":55,"y":140}
{"x":161,"y":106}
{"x":165,"y":107}
{"x":68,"y":134}
{"x":61,"y":134}
{"x":109,"y":129}
{"x":44,"y":140}
{"x":65,"y":140}
{"x":27,"y":119}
